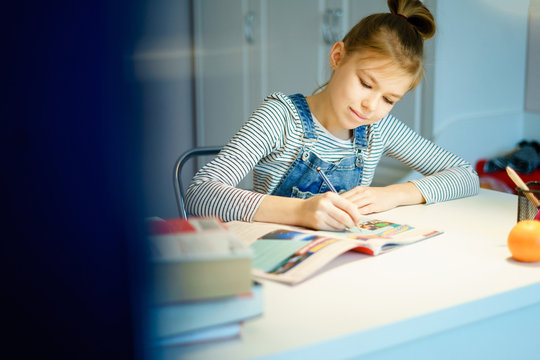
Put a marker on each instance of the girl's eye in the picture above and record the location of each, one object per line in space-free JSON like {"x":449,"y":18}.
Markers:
{"x":388,"y":101}
{"x":364,"y":84}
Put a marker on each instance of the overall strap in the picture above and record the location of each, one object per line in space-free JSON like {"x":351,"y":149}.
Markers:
{"x":308,"y":126}
{"x":360,"y":137}
{"x":360,"y":143}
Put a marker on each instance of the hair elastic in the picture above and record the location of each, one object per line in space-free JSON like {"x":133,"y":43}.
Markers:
{"x":403,"y":16}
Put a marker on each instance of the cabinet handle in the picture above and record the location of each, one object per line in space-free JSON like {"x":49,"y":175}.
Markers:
{"x":327,"y":37}
{"x":331,"y":25}
{"x":248,"y":27}
{"x":336,"y":20}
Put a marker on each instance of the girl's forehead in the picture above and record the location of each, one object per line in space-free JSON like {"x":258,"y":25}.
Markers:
{"x":376,"y":63}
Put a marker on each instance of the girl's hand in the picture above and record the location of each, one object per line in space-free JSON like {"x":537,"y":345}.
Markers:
{"x":376,"y":199}
{"x":329,"y":211}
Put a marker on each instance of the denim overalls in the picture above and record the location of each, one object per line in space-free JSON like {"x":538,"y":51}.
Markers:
{"x":302,"y":179}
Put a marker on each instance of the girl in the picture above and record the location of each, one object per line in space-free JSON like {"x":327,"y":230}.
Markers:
{"x":342,"y":131}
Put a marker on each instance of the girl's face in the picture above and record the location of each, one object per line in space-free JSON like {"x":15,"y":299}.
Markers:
{"x":361,"y":91}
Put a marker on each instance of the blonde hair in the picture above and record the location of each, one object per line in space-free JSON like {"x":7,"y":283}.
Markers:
{"x":398,"y":36}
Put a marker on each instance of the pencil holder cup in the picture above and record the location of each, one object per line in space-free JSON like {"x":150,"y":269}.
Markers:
{"x":526,"y":209}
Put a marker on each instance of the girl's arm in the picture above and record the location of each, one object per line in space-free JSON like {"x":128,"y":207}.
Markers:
{"x":446,"y":175}
{"x":213,"y":190}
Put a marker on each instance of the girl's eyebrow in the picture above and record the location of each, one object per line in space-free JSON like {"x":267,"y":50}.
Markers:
{"x":373,"y":80}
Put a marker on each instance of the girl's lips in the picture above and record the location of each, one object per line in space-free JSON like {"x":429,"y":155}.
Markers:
{"x":357,"y":115}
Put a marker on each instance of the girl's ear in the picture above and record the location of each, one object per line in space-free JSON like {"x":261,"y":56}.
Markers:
{"x":337,"y":54}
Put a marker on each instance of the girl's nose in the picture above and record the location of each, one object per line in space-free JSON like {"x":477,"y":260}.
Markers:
{"x":368,"y":103}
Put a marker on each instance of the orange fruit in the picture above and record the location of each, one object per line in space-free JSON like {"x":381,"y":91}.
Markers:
{"x":524,"y":241}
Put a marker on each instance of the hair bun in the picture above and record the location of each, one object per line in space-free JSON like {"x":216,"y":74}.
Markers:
{"x":416,"y":14}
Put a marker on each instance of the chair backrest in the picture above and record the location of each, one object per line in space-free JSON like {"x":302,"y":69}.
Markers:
{"x":177,"y":178}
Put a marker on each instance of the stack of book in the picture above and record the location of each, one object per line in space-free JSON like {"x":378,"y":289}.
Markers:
{"x":202,"y":288}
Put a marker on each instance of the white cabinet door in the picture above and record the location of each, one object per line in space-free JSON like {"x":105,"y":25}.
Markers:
{"x":291,"y":46}
{"x":247,"y":49}
{"x":219,"y":69}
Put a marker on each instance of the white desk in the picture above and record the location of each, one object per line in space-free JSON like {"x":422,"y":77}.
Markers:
{"x":457,"y":295}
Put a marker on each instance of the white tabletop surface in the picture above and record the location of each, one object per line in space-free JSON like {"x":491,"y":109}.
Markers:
{"x":362,"y":301}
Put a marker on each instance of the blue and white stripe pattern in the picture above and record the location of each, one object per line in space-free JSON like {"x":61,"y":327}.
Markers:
{"x":270,"y":140}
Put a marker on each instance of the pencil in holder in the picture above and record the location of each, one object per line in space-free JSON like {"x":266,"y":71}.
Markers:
{"x":526,"y":209}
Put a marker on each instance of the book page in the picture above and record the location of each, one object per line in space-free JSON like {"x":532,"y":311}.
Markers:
{"x":249,"y":232}
{"x":290,"y":254}
{"x":299,"y":265}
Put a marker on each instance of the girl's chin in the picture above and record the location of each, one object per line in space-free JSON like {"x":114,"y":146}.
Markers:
{"x":356,"y":122}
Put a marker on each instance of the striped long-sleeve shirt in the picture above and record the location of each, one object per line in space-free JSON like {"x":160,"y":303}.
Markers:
{"x":271,"y":139}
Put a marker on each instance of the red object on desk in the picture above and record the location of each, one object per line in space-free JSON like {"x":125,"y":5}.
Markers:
{"x":170,"y":226}
{"x":499,"y":180}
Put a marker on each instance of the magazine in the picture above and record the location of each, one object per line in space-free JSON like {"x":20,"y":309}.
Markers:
{"x":291,"y":254}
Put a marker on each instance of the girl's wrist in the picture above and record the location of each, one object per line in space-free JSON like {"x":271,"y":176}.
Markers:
{"x":278,"y":209}
{"x":406,"y":194}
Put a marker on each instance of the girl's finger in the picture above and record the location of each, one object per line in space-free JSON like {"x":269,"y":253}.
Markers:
{"x":345,"y":212}
{"x":367,"y":209}
{"x":333,"y":224}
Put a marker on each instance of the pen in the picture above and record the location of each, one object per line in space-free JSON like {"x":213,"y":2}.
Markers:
{"x":325,"y":179}
{"x":329,"y":184}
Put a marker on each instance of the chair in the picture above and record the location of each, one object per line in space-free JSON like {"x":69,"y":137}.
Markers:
{"x":179,"y":189}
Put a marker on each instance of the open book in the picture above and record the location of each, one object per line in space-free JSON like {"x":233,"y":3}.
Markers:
{"x":291,"y":254}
